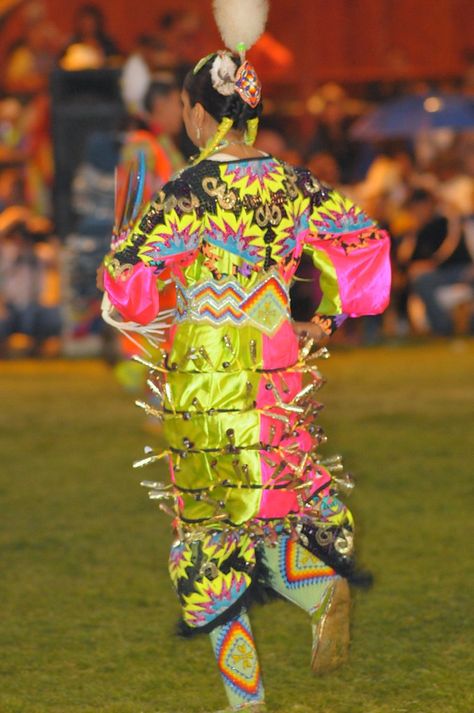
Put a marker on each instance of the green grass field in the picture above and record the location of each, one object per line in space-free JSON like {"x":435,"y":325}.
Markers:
{"x":88,"y":613}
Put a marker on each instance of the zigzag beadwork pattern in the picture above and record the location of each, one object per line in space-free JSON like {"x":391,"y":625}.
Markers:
{"x":238,"y":662}
{"x":214,"y":301}
{"x":227,"y":302}
{"x":299,"y":567}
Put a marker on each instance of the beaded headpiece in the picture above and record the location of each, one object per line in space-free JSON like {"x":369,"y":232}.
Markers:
{"x":247,"y":85}
{"x":240,"y":23}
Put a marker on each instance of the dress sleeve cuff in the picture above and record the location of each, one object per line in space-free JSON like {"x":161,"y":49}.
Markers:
{"x":134,"y":293}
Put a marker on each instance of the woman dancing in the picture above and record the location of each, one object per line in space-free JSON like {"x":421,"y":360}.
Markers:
{"x":253,"y":502}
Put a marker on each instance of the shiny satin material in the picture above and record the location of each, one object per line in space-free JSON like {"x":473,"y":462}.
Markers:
{"x":356,"y":286}
{"x":136,"y":296}
{"x":237,"y":419}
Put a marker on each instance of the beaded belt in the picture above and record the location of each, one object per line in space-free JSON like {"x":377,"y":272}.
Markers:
{"x":225,"y":301}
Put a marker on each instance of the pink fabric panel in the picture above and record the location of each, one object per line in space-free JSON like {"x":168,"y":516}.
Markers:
{"x":363,"y":275}
{"x":136,"y":297}
{"x":319,"y":478}
{"x":279,"y":503}
{"x":266,"y":397}
{"x":275,"y":503}
{"x":281,"y":349}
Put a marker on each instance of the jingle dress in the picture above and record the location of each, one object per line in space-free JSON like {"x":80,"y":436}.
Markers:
{"x":238,"y":386}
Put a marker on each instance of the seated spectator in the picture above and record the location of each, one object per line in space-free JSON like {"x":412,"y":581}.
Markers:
{"x":324,"y":166}
{"x":332,"y":131}
{"x":271,"y":139}
{"x":30,"y":62}
{"x":390,"y":180}
{"x":29,"y":280}
{"x":25,"y":154}
{"x":12,"y":152}
{"x":435,"y":255}
{"x":456,"y":186}
{"x":93,"y":193}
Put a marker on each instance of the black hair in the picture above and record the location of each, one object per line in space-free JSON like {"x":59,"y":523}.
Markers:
{"x":393,"y":147}
{"x":94,"y":11}
{"x":157,"y":90}
{"x":200,"y":90}
{"x":147,"y":41}
{"x":420,"y":195}
{"x":169,"y":19}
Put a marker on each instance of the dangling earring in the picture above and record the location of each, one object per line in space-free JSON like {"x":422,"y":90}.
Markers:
{"x":198,"y":135}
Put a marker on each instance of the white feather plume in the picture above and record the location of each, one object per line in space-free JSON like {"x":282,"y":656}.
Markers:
{"x":240,"y":21}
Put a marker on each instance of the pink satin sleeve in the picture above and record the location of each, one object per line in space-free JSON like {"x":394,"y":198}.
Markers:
{"x":354,"y":277}
{"x":364,"y":276}
{"x":136,"y":297}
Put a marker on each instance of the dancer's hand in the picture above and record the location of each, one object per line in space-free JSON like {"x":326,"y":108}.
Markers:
{"x":99,"y":278}
{"x":311,"y":330}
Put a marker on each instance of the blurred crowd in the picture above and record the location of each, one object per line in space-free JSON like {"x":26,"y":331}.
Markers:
{"x":420,"y":186}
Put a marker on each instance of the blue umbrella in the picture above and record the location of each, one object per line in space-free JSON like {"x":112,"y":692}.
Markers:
{"x":411,"y":115}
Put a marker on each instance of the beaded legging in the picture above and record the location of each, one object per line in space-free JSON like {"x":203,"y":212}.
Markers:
{"x":295,"y":574}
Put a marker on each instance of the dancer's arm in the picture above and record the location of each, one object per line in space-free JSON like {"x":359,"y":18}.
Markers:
{"x":165,"y":236}
{"x":351,"y":254}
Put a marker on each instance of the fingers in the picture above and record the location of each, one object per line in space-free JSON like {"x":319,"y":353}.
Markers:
{"x":309,"y":329}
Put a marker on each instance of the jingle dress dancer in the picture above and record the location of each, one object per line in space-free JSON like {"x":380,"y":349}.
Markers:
{"x":253,"y":502}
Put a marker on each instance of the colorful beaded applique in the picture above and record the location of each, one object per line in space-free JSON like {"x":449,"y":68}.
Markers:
{"x":299,"y":567}
{"x":237,"y":660}
{"x":247,"y":85}
{"x":265,"y":307}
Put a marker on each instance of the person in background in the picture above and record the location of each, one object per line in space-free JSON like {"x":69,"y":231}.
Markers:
{"x":93,"y":191}
{"x":179,"y":33}
{"x":29,"y":280}
{"x":90,"y":32}
{"x":26,"y":154}
{"x":332,"y":131}
{"x":30,"y":62}
{"x":468,"y":79}
{"x":12,"y":155}
{"x":272,"y":139}
{"x":148,"y":57}
{"x":324,"y":165}
{"x":434,"y":255}
{"x":155,"y":135}
{"x":455,"y":180}
{"x":390,"y":180}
